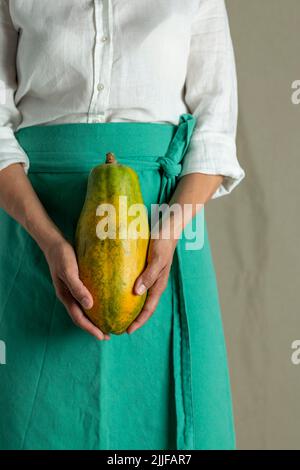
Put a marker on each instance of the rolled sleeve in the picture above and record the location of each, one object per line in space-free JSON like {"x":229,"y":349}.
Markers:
{"x":10,"y":117}
{"x":211,"y":96}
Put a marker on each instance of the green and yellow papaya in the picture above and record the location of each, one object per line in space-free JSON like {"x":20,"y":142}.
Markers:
{"x":111,"y":243}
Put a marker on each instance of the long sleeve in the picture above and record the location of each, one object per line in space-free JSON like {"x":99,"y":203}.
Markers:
{"x":10,"y":117}
{"x":211,"y":95}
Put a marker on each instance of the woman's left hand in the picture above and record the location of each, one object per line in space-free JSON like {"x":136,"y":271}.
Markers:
{"x":194,"y":190}
{"x":154,"y":278}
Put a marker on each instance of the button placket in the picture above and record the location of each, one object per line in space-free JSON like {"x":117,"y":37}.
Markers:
{"x":101,"y":63}
{"x":109,"y":51}
{"x":104,"y":80}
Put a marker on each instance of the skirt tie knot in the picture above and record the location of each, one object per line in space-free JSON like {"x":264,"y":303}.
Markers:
{"x":169,"y":167}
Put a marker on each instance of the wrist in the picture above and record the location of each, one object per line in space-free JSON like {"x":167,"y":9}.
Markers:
{"x":49,"y":242}
{"x":45,"y":233}
{"x":170,"y":225}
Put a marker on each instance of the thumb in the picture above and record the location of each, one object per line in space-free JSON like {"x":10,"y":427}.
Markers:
{"x":78,"y":290}
{"x":148,"y":277}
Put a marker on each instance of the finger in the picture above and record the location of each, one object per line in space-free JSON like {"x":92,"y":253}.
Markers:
{"x":149,"y":276}
{"x":84,"y":323}
{"x":78,"y":289}
{"x":151,"y":303}
{"x":77,"y":316}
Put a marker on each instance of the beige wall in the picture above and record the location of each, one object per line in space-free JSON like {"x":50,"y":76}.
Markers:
{"x":255,"y":231}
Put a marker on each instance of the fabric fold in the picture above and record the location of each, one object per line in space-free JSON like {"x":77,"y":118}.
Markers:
{"x":171,"y":167}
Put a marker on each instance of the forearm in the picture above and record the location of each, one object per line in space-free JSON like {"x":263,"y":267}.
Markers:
{"x":191,"y":193}
{"x":196,"y":188}
{"x":19,"y":200}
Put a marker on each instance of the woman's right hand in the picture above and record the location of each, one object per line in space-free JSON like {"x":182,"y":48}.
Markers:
{"x":69,"y":288}
{"x":20,"y":201}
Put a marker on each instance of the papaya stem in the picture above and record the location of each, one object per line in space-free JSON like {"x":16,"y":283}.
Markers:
{"x":110,"y":158}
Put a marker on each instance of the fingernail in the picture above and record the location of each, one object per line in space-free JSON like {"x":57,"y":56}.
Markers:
{"x":141,"y":289}
{"x":86,"y":303}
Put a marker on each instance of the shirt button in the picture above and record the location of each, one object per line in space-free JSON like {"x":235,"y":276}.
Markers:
{"x":100,"y":86}
{"x":104,"y":38}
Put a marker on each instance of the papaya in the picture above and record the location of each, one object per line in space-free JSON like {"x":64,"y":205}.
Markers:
{"x":111,"y":244}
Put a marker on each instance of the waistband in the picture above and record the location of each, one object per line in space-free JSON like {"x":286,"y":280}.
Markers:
{"x":79,"y":147}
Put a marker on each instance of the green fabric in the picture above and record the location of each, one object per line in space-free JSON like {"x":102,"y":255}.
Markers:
{"x":166,"y":386}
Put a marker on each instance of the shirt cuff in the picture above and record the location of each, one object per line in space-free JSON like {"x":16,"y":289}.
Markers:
{"x":214,"y":154}
{"x":10,"y":150}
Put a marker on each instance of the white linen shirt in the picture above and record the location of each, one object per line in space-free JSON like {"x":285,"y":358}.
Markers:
{"x":87,"y":61}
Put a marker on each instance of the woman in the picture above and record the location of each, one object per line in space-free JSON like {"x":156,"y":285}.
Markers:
{"x":154,"y":82}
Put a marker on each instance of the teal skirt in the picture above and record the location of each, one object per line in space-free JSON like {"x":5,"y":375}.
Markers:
{"x":166,"y":386}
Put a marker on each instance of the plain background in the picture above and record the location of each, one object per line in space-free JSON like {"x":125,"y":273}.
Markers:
{"x":254,"y":232}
